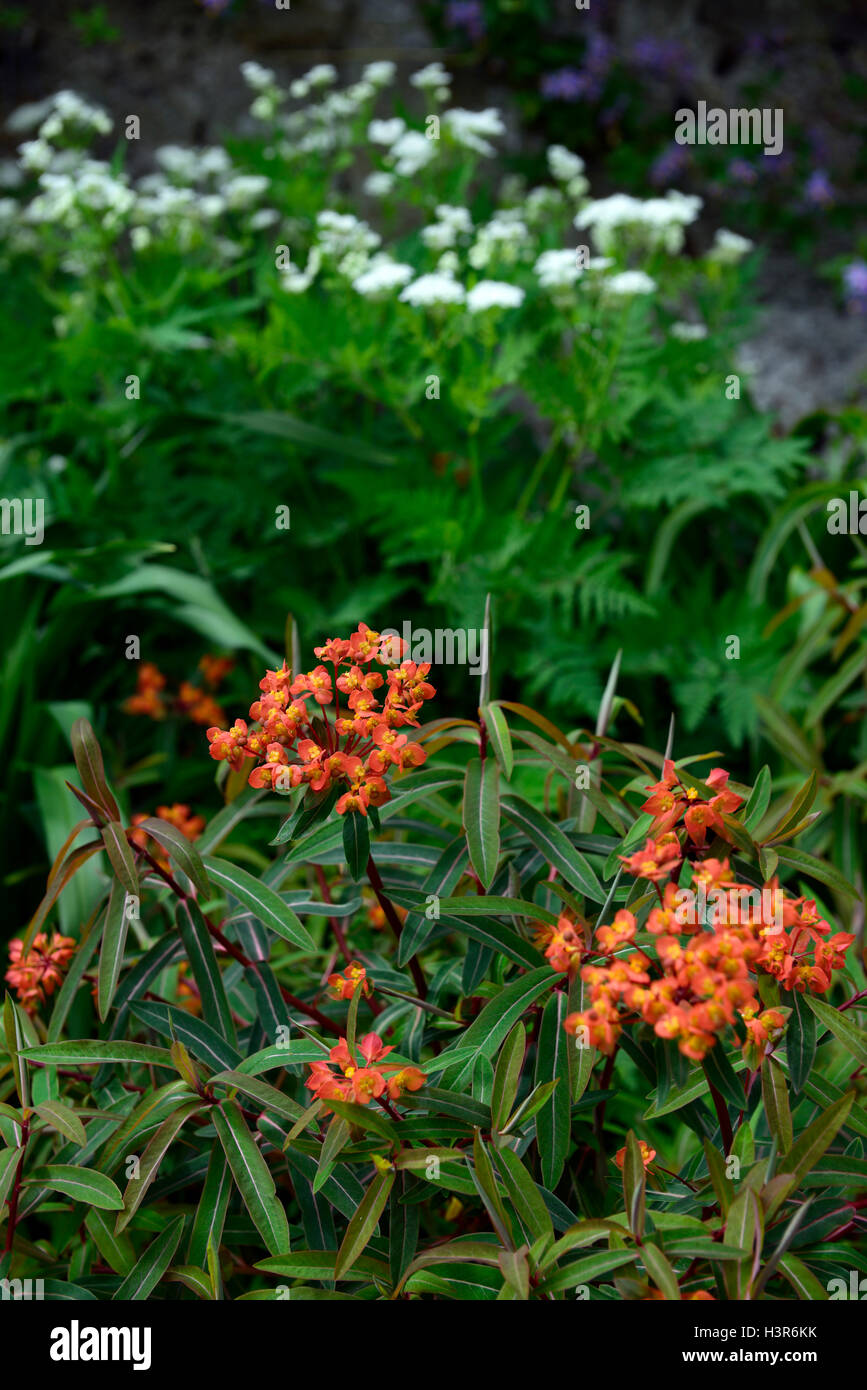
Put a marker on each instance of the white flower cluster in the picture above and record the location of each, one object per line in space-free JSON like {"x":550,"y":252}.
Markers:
{"x":471,"y":128}
{"x":621,"y":221}
{"x":451,"y":223}
{"x":729,"y":247}
{"x":567,"y":168}
{"x":501,"y":239}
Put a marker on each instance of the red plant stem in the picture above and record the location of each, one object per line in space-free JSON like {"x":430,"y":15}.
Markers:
{"x":334,"y":923}
{"x":235,"y":951}
{"x":394,"y":922}
{"x":599,"y":1119}
{"x":309,"y":1009}
{"x":722,"y":1115}
{"x":16,"y":1189}
{"x":854,"y":1000}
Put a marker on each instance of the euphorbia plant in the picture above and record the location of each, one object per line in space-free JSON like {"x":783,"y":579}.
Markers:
{"x":605,"y":1049}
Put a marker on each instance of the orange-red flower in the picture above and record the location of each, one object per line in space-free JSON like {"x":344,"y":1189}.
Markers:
{"x":354,"y":977}
{"x":363,"y":1077}
{"x":647,"y":1155}
{"x":38,"y":974}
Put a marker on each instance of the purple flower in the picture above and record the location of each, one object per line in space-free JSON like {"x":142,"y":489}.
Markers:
{"x":741,"y":171}
{"x":661,"y":58}
{"x":777,"y":164}
{"x":855,"y":286}
{"x":468,"y":15}
{"x":215,"y":6}
{"x":599,"y":55}
{"x":566,"y":84}
{"x":669,"y":166}
{"x":819,"y":191}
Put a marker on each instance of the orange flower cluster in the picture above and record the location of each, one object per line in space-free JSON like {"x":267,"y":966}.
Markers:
{"x":360,"y":1081}
{"x":354,"y":977}
{"x":191,"y":700}
{"x":732,"y":931}
{"x":355,"y":748}
{"x":706,"y":962}
{"x":38,"y":974}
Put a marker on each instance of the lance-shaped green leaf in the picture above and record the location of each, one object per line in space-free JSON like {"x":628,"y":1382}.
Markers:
{"x":843,"y":1029}
{"x":500,"y":737}
{"x":63,"y":1119}
{"x":9,"y":1160}
{"x":660,"y":1271}
{"x":585,"y":1270}
{"x":745,"y":1231}
{"x":692,"y":1089}
{"x":117,"y":1251}
{"x":268,"y":1097}
{"x":485,"y":1183}
{"x":559,"y":853}
{"x":553,"y":1122}
{"x":151,"y":1159}
{"x":363,"y":1224}
{"x":337,"y":1136}
{"x":802,"y":1279}
{"x":721,"y":1183}
{"x":481,"y":817}
{"x":801,"y":1036}
{"x":759,"y":797}
{"x":488,"y":1030}
{"x":91,"y":770}
{"x":15,"y":1046}
{"x":775,"y":1094}
{"x":524,"y":1195}
{"x":816,"y":868}
{"x":634,"y":1185}
{"x":809,"y":1148}
{"x":206,"y":972}
{"x":356,"y":843}
{"x":82,"y":1184}
{"x":211,"y":1211}
{"x":181,"y":850}
{"x":442,"y":878}
{"x":112,"y":948}
{"x":120,"y":856}
{"x":149,"y":1269}
{"x":516,"y":1271}
{"x":718,"y":1070}
{"x":252,"y":1176}
{"x":403,"y":1228}
{"x":139,"y":1120}
{"x":507,"y":1075}
{"x":203,"y":1041}
{"x":266,"y":905}
{"x":91,"y":1054}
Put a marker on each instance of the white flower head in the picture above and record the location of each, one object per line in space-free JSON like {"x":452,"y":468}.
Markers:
{"x":564,"y":165}
{"x":494,"y":294}
{"x":729,"y":248}
{"x":386,"y":132}
{"x":557,"y":270}
{"x":379,"y":184}
{"x":379,"y":74}
{"x":431,"y":77}
{"x":382,"y":276}
{"x":629,"y":282}
{"x":469,"y":128}
{"x":322,"y":75}
{"x":433,"y":289}
{"x":258,"y":78}
{"x":411,"y":153}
